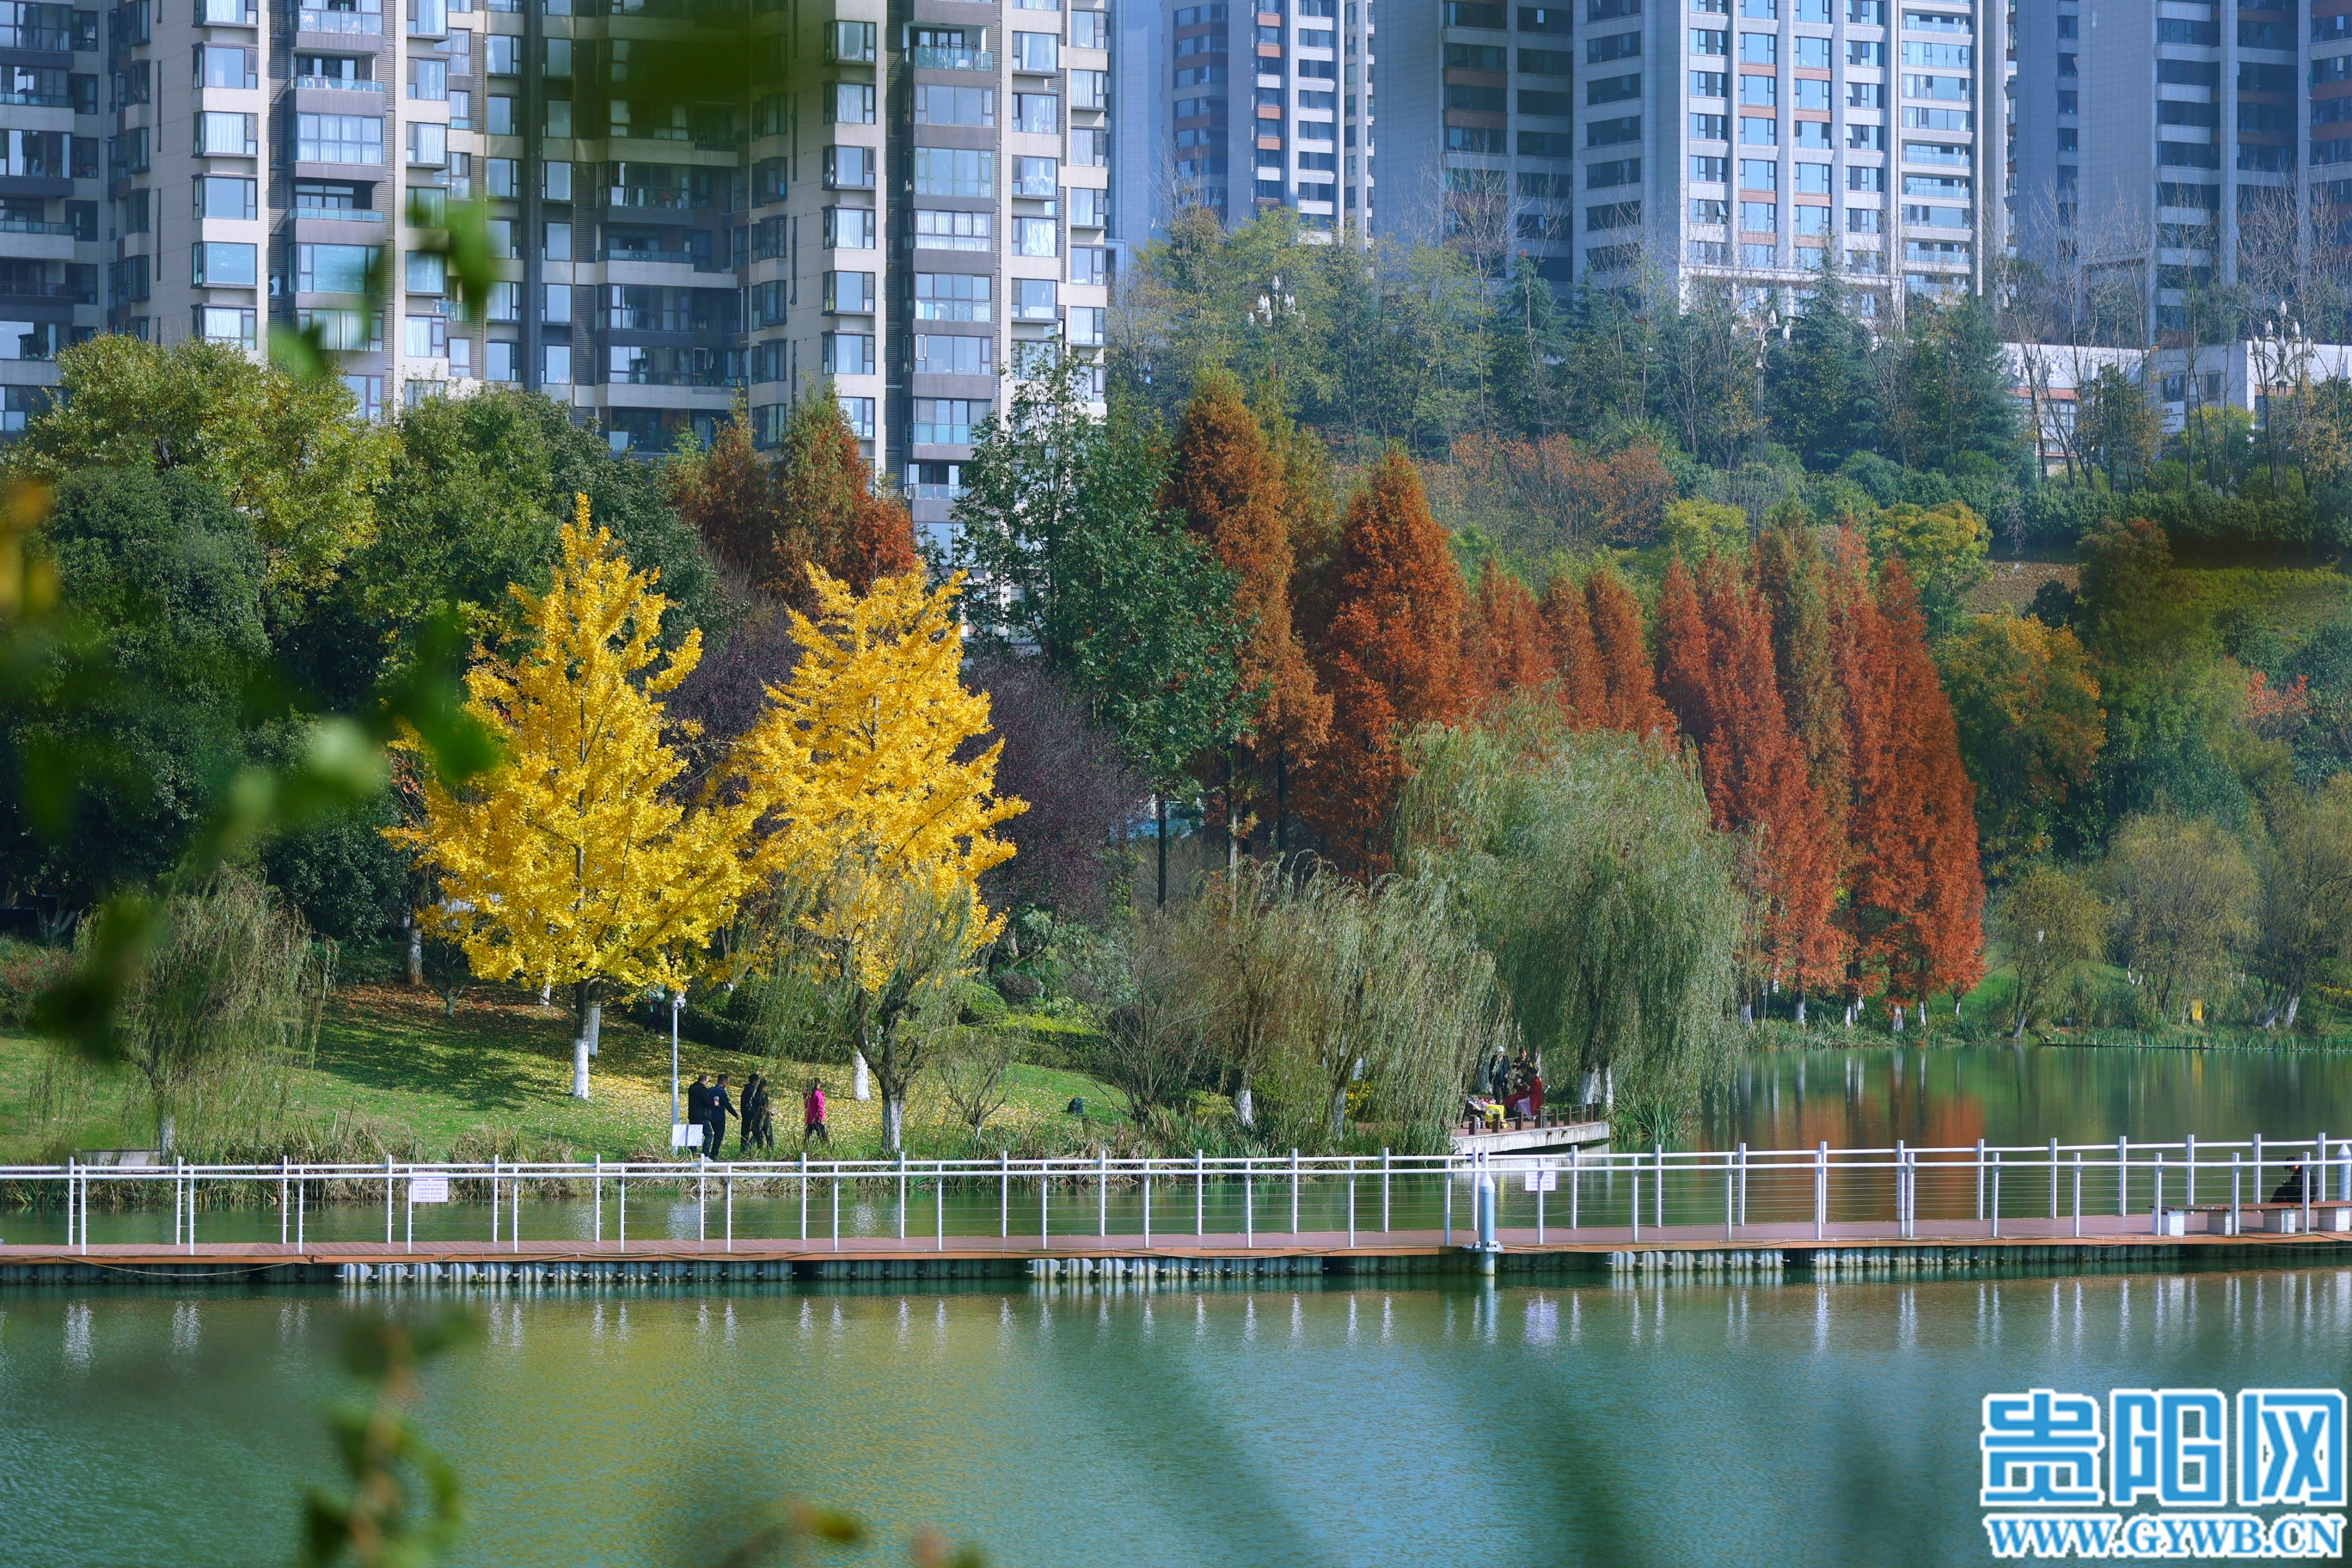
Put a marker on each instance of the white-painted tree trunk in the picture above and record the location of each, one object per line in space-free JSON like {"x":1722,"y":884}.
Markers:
{"x":588,"y":1016}
{"x":1609,"y":1086}
{"x":1244,"y":1107}
{"x":1801,"y":1009}
{"x":416,"y":952}
{"x":2293,"y":1004}
{"x":894,"y":1121}
{"x":860,"y":1086}
{"x":1588,"y":1092}
{"x":596,"y":1027}
{"x":1899,"y":1018}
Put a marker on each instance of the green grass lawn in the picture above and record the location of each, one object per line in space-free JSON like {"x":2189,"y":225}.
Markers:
{"x":393,"y":1075}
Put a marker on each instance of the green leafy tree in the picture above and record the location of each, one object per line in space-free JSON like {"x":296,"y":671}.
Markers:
{"x":284,"y":450}
{"x":2303,"y":919}
{"x":2027,"y":702}
{"x":1953,"y":399}
{"x":1817,"y":379}
{"x":2051,"y":926}
{"x":2183,"y":891}
{"x":124,"y":745}
{"x":1061,"y":515}
{"x":1611,"y":904}
{"x":1523,"y":344}
{"x":2118,"y":430}
{"x":1945,"y":546}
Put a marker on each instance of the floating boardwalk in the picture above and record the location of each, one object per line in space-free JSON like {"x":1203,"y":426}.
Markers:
{"x":1819,"y":1214}
{"x":1860,"y":1250}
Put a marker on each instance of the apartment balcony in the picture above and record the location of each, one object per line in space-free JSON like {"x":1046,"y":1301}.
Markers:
{"x":945,"y":57}
{"x":338,"y":84}
{"x":346,"y":24}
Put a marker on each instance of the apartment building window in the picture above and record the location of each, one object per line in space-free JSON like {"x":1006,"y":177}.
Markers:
{"x":1710,"y":127}
{"x":367,"y":393}
{"x":1615,"y":171}
{"x":224,"y":196}
{"x":1709,"y":41}
{"x":1866,"y":138}
{"x":428,"y":272}
{"x":852,"y":103}
{"x":236,"y":135}
{"x":1762,"y":92}
{"x":332,"y":268}
{"x":1034,"y":299}
{"x":425,"y":337}
{"x":1086,"y":326}
{"x":954,"y":172}
{"x":555,"y":363}
{"x":227,"y":324}
{"x":1617,"y":46}
{"x":953,"y":105}
{"x":1091,"y":89}
{"x":1039,"y":113}
{"x":937,"y":355}
{"x":962,"y":296}
{"x":1614,"y":215}
{"x":1710,"y":170}
{"x":1090,"y":209}
{"x":1090,"y":145}
{"x":1035,"y":177}
{"x":428,"y":145}
{"x":849,"y":228}
{"x":1709,"y":84}
{"x":767,"y":303}
{"x":1036,"y":53}
{"x":428,"y":79}
{"x":849,"y":293}
{"x":338,"y":138}
{"x":502,"y":114}
{"x":947,"y":421}
{"x":499,"y":361}
{"x":847,"y":353}
{"x":1865,"y":52}
{"x":859,"y":412}
{"x":1035,"y":236}
{"x":1610,"y":132}
{"x":849,"y":43}
{"x":936,"y":230}
{"x":1089,"y":30}
{"x":221,"y":263}
{"x":225,"y":65}
{"x":1090,"y":264}
{"x":505,"y":302}
{"x":1812,"y":94}
{"x":1758,"y":174}
{"x":1755,"y":130}
{"x":1864,"y":220}
{"x":849,"y":168}
{"x":1760,"y":218}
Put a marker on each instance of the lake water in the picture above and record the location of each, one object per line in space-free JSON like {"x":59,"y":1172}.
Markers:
{"x":1786,"y":1424}
{"x":2027,"y":1095}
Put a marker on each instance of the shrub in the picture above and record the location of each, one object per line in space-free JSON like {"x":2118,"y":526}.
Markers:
{"x":26,"y":970}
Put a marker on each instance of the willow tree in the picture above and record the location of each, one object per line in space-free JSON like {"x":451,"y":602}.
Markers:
{"x":1598,"y":882}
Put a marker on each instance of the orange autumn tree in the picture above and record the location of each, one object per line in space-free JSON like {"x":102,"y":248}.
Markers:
{"x":1505,"y":647}
{"x":1719,"y":678}
{"x":1580,"y":683}
{"x":1615,"y":615}
{"x":813,"y":504}
{"x":1392,"y":659}
{"x":825,"y":486}
{"x":1227,"y":484}
{"x":1914,"y":892}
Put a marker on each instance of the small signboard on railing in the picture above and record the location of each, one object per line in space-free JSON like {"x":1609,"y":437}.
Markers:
{"x":1543,"y":1178}
{"x":686,"y":1135}
{"x":428,"y":1189}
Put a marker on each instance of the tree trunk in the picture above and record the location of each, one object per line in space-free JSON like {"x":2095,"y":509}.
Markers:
{"x":167,"y":1132}
{"x":1160,"y":809}
{"x":2292,"y":1003}
{"x":1338,"y":1112}
{"x":416,"y":952}
{"x":1801,"y":1009}
{"x":590,"y":1014}
{"x":860,"y":1086}
{"x":1244,"y":1111}
{"x":894,"y":1118}
{"x":1899,"y":1018}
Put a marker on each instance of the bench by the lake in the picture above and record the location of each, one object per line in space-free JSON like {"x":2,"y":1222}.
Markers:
{"x":2276,"y":1218}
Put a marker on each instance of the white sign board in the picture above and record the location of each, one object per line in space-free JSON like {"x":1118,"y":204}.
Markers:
{"x":428,"y":1189}
{"x":1544,"y":1179}
{"x":686,"y":1135}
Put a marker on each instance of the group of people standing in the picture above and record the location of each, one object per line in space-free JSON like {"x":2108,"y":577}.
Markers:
{"x":708,"y":1105}
{"x":1505,"y":1086}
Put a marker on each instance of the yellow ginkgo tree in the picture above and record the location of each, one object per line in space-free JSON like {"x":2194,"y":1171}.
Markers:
{"x":572,"y":864}
{"x":855,"y":774}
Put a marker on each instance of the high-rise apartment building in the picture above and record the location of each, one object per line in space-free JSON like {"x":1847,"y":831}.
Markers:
{"x":1632,"y":141}
{"x":897,"y":198}
{"x":2168,"y":145}
{"x":49,"y":147}
{"x":1266,"y":103}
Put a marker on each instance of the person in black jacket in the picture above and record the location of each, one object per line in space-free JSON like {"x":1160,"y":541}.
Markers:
{"x":698,"y":1105}
{"x":721,"y":1108}
{"x":2290,"y":1191}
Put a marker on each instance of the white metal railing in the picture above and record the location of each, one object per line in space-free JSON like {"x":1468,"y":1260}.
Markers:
{"x":1769,"y":1196}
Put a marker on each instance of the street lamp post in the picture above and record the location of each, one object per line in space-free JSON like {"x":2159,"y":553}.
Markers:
{"x":675,"y":1001}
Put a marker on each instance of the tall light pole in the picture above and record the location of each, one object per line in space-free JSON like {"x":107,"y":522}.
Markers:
{"x":676,"y":1001}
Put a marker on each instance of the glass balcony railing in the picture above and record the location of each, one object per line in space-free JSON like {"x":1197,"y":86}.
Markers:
{"x":33,"y":225}
{"x":338,"y":83}
{"x":951,"y":57}
{"x":309,"y":21}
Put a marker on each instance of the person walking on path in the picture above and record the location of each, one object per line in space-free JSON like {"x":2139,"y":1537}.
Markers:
{"x":757,"y":1133}
{"x":698,"y":1105}
{"x":813,"y":1116}
{"x":720,"y":1108}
